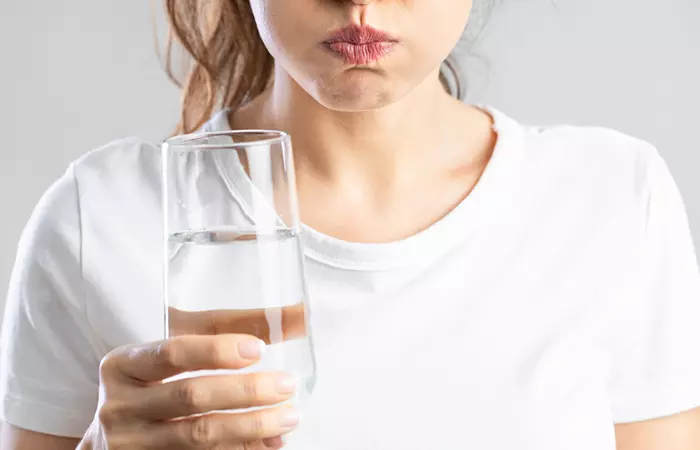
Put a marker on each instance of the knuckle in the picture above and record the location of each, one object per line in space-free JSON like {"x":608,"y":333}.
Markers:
{"x":218,"y":353}
{"x":109,"y":415}
{"x":190,"y":395}
{"x":257,"y":426}
{"x":169,"y":352}
{"x":108,"y":365}
{"x":250,"y":387}
{"x":119,"y":443}
{"x":105,"y":416}
{"x":201,"y":432}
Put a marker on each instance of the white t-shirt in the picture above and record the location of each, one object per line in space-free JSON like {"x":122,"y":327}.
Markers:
{"x":560,"y":297}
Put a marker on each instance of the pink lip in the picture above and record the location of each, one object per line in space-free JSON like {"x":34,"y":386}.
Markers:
{"x":357,"y":44}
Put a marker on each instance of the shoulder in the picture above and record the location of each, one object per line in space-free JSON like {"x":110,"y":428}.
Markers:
{"x":593,"y":160}
{"x":125,"y":159}
{"x":118,"y":184}
{"x":119,"y":162}
{"x":587,"y":159}
{"x":592,"y":146}
{"x":91,"y":189}
{"x":107,"y":185}
{"x":97,"y":234}
{"x":115,"y":180}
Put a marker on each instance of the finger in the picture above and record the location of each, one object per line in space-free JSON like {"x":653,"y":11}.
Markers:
{"x":264,"y":444}
{"x":163,"y":359}
{"x":204,"y":394}
{"x":229,"y":429}
{"x":146,"y":439}
{"x":255,"y":322}
{"x":274,"y":443}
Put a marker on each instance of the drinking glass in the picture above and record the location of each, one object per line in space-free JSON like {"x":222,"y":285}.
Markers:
{"x":233,"y":256}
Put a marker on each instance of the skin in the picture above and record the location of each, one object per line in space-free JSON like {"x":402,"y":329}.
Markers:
{"x":347,"y":122}
{"x":382,"y":144}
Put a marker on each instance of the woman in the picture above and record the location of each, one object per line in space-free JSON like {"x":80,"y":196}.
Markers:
{"x":476,"y":283}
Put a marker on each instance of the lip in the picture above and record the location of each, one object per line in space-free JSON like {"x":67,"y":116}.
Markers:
{"x":359,"y":45}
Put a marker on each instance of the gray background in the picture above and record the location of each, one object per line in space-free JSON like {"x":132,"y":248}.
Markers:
{"x":75,"y":75}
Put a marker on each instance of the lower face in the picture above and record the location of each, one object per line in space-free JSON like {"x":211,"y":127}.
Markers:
{"x":353,"y":57}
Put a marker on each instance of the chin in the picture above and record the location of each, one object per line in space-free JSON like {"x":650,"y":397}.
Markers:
{"x":357,"y":90}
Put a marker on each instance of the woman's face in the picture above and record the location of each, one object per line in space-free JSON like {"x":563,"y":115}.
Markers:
{"x":360,"y":54}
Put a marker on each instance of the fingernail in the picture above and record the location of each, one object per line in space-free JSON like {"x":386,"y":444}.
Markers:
{"x":251,"y":349}
{"x":289,"y":419}
{"x":286,"y":384}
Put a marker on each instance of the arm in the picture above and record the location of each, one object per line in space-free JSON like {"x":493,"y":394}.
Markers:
{"x":655,"y":383}
{"x":205,"y":357}
{"x":14,"y":438}
{"x":49,"y":359}
{"x":676,"y":432}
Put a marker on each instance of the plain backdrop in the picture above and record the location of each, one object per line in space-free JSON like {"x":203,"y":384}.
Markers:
{"x":75,"y":75}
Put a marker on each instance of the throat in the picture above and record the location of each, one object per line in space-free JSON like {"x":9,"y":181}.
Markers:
{"x":380,"y":175}
{"x":391,"y":211}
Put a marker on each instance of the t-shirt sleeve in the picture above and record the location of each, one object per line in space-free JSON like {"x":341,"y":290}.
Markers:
{"x":48,"y":367}
{"x":656,"y":367}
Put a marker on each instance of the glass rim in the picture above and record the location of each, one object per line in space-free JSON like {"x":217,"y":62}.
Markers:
{"x":188,"y":141}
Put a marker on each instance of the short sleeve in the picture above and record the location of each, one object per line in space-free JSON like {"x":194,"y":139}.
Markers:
{"x":656,"y":368}
{"x":48,"y":367}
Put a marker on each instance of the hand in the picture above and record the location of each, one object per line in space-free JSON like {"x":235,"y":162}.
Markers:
{"x":138,"y":410}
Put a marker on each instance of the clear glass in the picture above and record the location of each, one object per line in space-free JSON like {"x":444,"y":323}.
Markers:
{"x":233,"y":256}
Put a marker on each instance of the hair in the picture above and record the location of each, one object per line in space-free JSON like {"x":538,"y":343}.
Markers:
{"x":229,"y":64}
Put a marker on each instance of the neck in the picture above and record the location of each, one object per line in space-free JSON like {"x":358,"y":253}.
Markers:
{"x":368,"y":146}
